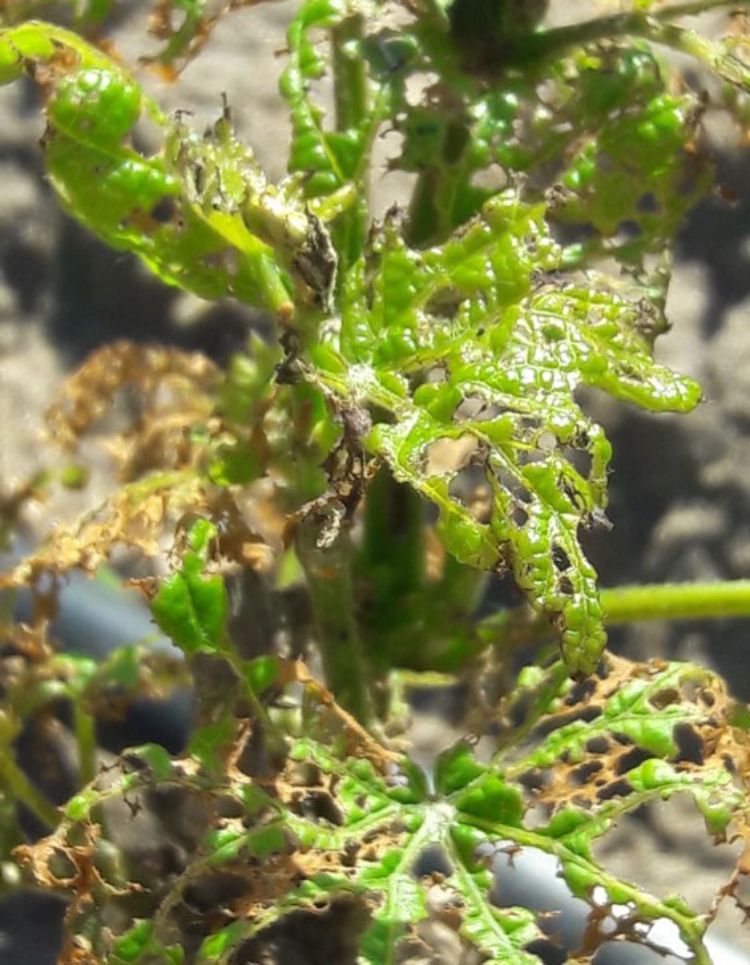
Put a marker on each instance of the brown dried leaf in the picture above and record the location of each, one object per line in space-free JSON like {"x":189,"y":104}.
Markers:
{"x":359,"y":742}
{"x":135,"y":515}
{"x":141,"y":516}
{"x":20,"y":640}
{"x":175,"y":391}
{"x":12,"y":502}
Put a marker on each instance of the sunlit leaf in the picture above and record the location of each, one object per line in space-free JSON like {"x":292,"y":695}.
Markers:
{"x":482,"y":343}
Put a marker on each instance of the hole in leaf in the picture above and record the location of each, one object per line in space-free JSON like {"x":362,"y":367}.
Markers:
{"x":689,"y":744}
{"x":664,"y":698}
{"x":565,"y":586}
{"x":304,"y":774}
{"x":616,"y":789}
{"x":479,"y":502}
{"x":729,"y":764}
{"x":254,"y":759}
{"x":511,"y":484}
{"x":318,"y":805}
{"x":228,"y":807}
{"x":419,"y":85}
{"x":164,"y":210}
{"x":61,"y":866}
{"x":519,"y":516}
{"x":471,"y":408}
{"x":470,"y":488}
{"x":579,"y":458}
{"x":631,"y":759}
{"x":560,"y":558}
{"x":531,"y":456}
{"x":449,"y":455}
{"x":547,"y":442}
{"x":627,"y":231}
{"x":318,"y":938}
{"x":492,"y":178}
{"x":648,"y":203}
{"x":547,"y":951}
{"x":432,"y":861}
{"x":533,"y":780}
{"x":585,"y":714}
{"x":213,"y":890}
{"x":582,"y":775}
{"x":690,"y":691}
{"x":582,"y":690}
{"x":707,"y":698}
{"x":445,"y":302}
{"x":597,"y":745}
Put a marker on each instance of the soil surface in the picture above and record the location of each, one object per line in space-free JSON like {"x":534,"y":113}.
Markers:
{"x":680,"y":487}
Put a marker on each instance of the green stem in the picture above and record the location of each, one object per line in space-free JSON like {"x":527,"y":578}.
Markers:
{"x":432,"y":214}
{"x":352,"y":104}
{"x":349,"y":76}
{"x":713,"y":55}
{"x":425,"y":219}
{"x":693,"y":7}
{"x":85,"y":731}
{"x":390,"y":570}
{"x":329,"y":581}
{"x":676,"y":601}
{"x":627,"y":604}
{"x":393,"y":546}
{"x":20,"y":787}
{"x":548,"y":43}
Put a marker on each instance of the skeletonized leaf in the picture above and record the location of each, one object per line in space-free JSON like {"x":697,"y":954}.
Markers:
{"x":483,"y":342}
{"x":340,"y":818}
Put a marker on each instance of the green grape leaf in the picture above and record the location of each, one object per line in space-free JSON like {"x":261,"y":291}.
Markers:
{"x":131,"y":201}
{"x":190,"y":606}
{"x":340,"y":818}
{"x":329,"y":159}
{"x":475,"y":349}
{"x":646,"y":153}
{"x":225,"y":185}
{"x":477,"y":346}
{"x":335,"y":161}
{"x":493,"y":319}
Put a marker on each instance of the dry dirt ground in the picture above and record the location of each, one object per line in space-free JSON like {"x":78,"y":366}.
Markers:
{"x":680,"y":488}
